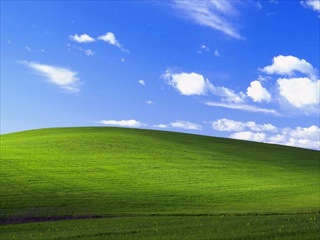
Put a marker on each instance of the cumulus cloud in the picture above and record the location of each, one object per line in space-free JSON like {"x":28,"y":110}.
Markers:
{"x":229,"y":125}
{"x":62,"y":77}
{"x":312,"y":4}
{"x":249,"y":136}
{"x":187,"y":83}
{"x":110,"y":38}
{"x":211,"y":13}
{"x":186,"y":125}
{"x":195,"y":84}
{"x":84,"y":38}
{"x":243,"y":107}
{"x":300,"y":92}
{"x":150,"y":102}
{"x":304,"y":137}
{"x":257,"y":92}
{"x":122,"y":123}
{"x":289,"y":65}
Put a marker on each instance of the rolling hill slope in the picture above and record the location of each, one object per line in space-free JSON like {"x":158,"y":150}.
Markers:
{"x":97,"y":171}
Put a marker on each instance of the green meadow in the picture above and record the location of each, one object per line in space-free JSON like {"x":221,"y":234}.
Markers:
{"x":116,"y":183}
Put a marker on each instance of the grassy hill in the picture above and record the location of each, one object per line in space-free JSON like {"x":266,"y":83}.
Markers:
{"x":115,"y":172}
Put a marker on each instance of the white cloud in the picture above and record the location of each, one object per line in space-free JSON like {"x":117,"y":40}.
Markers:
{"x":122,"y":123}
{"x":305,"y":137}
{"x":142,"y":82}
{"x":186,"y":125}
{"x":110,"y":38}
{"x":288,"y":65}
{"x":211,"y":13}
{"x":313,"y":4}
{"x":261,"y":127}
{"x":88,"y":52}
{"x":28,"y":49}
{"x":203,"y":48}
{"x":236,"y":126}
{"x":300,"y":92}
{"x":160,"y":126}
{"x":257,"y":92}
{"x":228,"y":95}
{"x":243,"y":107}
{"x":84,"y":38}
{"x":216,"y":53}
{"x":227,"y":125}
{"x":62,"y":77}
{"x":249,"y":136}
{"x":258,"y":6}
{"x":187,"y":83}
{"x":312,"y":132}
{"x":195,"y":84}
{"x":150,"y":102}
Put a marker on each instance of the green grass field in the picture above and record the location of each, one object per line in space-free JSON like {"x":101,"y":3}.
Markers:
{"x":145,"y":184}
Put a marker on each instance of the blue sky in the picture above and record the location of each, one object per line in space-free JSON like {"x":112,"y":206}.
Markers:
{"x":239,"y":69}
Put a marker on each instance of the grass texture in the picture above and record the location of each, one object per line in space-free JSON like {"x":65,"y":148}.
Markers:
{"x":145,"y":175}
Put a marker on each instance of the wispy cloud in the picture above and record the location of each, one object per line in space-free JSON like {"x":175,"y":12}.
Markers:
{"x":160,"y":126}
{"x":110,"y":38}
{"x":122,"y":123}
{"x":84,"y":38}
{"x":216,"y":53}
{"x":186,"y":125}
{"x":87,"y":52}
{"x":227,"y":95}
{"x":218,"y":15}
{"x":243,"y":107}
{"x":28,"y":49}
{"x":203,"y":48}
{"x":313,"y":4}
{"x":142,"y":82}
{"x":62,"y":77}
